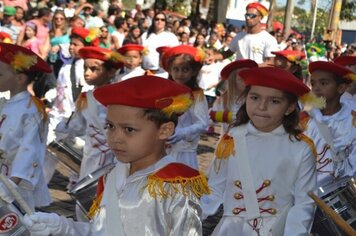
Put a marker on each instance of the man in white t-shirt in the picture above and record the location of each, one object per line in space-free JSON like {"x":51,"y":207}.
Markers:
{"x":255,"y":44}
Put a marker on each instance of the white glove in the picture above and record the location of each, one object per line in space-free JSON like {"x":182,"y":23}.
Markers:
{"x":40,"y":224}
{"x":176,"y":137}
{"x":5,"y":193}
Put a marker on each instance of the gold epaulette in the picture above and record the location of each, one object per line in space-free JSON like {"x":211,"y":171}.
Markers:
{"x":177,"y":178}
{"x":303,"y":120}
{"x":353,"y":118}
{"x":41,"y":108}
{"x":225,"y":147}
{"x":198,"y":95}
{"x":310,"y":142}
{"x":82,"y":102}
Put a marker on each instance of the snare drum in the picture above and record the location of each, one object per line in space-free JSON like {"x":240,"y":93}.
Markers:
{"x":341,"y":197}
{"x":11,"y":221}
{"x":84,"y":192}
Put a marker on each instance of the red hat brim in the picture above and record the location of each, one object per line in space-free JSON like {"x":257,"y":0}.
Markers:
{"x":290,"y":55}
{"x":345,"y":60}
{"x":142,"y":91}
{"x":101,"y":54}
{"x":130,"y":47}
{"x":243,"y":63}
{"x":273,"y":77}
{"x":8,"y":51}
{"x":181,"y":49}
{"x":340,"y":71}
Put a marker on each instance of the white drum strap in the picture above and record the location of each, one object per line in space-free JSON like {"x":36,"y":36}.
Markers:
{"x":247,"y":183}
{"x":326,"y":134}
{"x":93,"y":111}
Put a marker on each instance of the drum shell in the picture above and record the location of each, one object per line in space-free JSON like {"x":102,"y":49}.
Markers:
{"x":11,"y":221}
{"x":341,"y":197}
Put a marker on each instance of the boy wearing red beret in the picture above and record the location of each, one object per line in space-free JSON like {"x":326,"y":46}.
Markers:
{"x":132,"y":62}
{"x":332,"y":128}
{"x":88,"y":119}
{"x":146,"y":193}
{"x":70,"y":83}
{"x":350,"y":94}
{"x":23,"y":126}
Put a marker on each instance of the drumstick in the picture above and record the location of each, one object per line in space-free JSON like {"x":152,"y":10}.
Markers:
{"x":333,"y":215}
{"x":16,"y":194}
{"x":70,"y":117}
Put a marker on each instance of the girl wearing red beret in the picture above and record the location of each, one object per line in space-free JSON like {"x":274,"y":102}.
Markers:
{"x":265,"y":166}
{"x":132,"y":62}
{"x":183,"y":64}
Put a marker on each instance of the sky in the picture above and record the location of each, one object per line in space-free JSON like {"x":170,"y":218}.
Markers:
{"x":324,"y":4}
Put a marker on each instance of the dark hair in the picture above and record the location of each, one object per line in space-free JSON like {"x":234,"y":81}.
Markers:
{"x":44,"y":12}
{"x":74,"y":36}
{"x":196,"y":66}
{"x":290,"y":122}
{"x":119,"y":21}
{"x":151,"y":29}
{"x":159,"y":117}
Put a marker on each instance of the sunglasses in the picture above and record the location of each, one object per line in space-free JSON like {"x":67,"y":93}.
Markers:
{"x":160,"y":19}
{"x":57,"y":18}
{"x":251,"y":15}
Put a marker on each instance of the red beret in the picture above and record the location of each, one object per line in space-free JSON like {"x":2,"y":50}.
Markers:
{"x":143,"y":91}
{"x":340,"y":71}
{"x":243,"y":63}
{"x":89,"y":36}
{"x":198,"y":55}
{"x":259,"y":7}
{"x":291,"y":55}
{"x":274,"y":77}
{"x":346,"y":60}
{"x":22,"y":59}
{"x":100,"y":54}
{"x":130,"y":47}
{"x":162,"y":49}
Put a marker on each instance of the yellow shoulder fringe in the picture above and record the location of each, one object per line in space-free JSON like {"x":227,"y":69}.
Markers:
{"x":164,"y":188}
{"x":353,"y":113}
{"x":310,"y":142}
{"x":303,"y":122}
{"x":41,"y":108}
{"x":225,"y":147}
{"x":94,"y":208}
{"x":198,"y":95}
{"x":82,"y":102}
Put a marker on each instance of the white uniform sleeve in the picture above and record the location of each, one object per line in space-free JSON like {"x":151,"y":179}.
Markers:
{"x":300,"y":216}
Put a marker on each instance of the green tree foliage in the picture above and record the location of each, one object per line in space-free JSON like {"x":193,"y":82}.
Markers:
{"x":348,"y":10}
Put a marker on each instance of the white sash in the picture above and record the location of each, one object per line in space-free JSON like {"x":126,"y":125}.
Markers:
{"x":247,"y":182}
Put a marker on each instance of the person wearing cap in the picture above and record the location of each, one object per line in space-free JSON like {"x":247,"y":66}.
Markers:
{"x":332,"y":128}
{"x":133,"y":58}
{"x":147,"y":192}
{"x":183,"y":64}
{"x":255,"y":44}
{"x":290,"y":60}
{"x":23,"y":126}
{"x":6,"y":23}
{"x":88,"y":120}
{"x":265,"y":166}
{"x":230,"y":89}
{"x":350,"y":93}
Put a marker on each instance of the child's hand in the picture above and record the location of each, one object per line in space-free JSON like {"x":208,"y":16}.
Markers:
{"x":40,"y":223}
{"x":34,"y":227}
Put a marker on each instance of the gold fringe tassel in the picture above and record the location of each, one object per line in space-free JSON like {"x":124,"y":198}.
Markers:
{"x":94,"y":208}
{"x":198,"y":95}
{"x":310,"y":142}
{"x":41,"y":108}
{"x":81,"y":102}
{"x":225,"y":147}
{"x":163,"y":188}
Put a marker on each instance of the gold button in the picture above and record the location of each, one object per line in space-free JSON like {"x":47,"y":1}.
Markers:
{"x":235,"y":211}
{"x":35,"y":164}
{"x":237,"y":196}
{"x":238,"y":183}
{"x":271,"y":197}
{"x":267,"y":182}
{"x":273,"y":211}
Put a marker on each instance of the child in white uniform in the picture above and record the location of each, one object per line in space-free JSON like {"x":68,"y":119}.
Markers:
{"x":332,"y":128}
{"x":23,"y":126}
{"x":147,"y":193}
{"x":264,"y":181}
{"x":183,"y":63}
{"x":132,"y":64}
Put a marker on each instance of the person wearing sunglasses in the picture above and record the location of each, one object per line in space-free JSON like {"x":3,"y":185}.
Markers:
{"x":255,"y":44}
{"x":156,"y":36}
